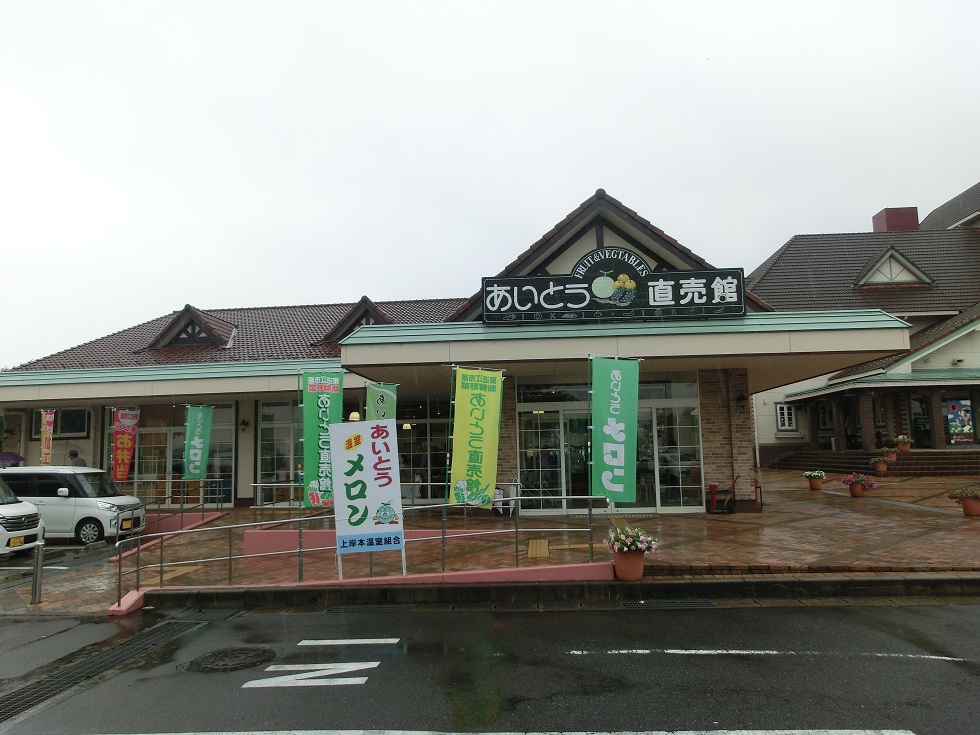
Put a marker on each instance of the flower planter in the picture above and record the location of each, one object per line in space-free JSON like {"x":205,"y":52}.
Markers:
{"x":905,"y":446}
{"x":857,"y":489}
{"x":971,"y":506}
{"x":891,"y":456}
{"x":628,"y":565}
{"x":815,"y":483}
{"x":881,"y":467}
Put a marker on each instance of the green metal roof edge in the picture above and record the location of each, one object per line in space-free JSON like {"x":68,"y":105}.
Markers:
{"x":930,"y":377}
{"x":781,"y":321}
{"x":190,"y":371}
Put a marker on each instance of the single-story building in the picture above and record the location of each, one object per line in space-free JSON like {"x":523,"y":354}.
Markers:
{"x":604,"y":281}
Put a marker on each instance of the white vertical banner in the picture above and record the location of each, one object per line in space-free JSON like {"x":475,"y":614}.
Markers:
{"x":366,"y":485}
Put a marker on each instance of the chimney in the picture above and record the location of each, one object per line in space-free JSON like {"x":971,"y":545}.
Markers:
{"x":896,"y":219}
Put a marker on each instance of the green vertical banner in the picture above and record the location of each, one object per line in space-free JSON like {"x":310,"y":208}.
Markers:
{"x":615,"y":394}
{"x":197,"y":442}
{"x":476,"y":432}
{"x":381,"y":401}
{"x":323,"y":405}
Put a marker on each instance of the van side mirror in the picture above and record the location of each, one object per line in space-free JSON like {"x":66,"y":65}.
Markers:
{"x":62,"y":492}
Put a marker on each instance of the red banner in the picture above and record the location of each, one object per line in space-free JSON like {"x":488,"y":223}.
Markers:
{"x":124,"y":424}
{"x":47,"y":436}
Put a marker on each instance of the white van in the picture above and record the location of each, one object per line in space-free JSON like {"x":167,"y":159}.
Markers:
{"x":82,"y":503}
{"x":21,"y":526}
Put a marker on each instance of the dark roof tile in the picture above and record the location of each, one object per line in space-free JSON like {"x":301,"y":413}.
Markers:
{"x":955,"y":210}
{"x":262,"y":333}
{"x":815,"y":272}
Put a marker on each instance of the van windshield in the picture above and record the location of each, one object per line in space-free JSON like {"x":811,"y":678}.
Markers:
{"x":6,"y":494}
{"x":98,"y":485}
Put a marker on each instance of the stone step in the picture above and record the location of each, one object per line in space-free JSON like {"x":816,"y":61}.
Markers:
{"x":953,"y":462}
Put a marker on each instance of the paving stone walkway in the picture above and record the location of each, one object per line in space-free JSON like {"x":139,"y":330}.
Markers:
{"x":906,"y":525}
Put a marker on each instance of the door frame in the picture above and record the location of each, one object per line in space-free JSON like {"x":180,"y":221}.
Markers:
{"x":647,"y":409}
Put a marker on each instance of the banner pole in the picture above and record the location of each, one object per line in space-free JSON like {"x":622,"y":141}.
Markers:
{"x":450,"y":448}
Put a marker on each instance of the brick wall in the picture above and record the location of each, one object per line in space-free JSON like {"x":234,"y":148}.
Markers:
{"x":507,"y":448}
{"x":727,"y":430}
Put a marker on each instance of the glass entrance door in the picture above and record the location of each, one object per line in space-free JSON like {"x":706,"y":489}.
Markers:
{"x":575,"y":453}
{"x":553,"y":445}
{"x":679,"y":457}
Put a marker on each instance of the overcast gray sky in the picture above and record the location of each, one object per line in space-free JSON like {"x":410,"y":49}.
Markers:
{"x":230,"y":154}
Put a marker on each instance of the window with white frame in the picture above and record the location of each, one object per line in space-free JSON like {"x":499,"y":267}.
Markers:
{"x":785,"y":417}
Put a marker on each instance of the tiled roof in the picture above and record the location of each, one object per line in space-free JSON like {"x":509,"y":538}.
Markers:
{"x":955,"y":210}
{"x":917,"y":342}
{"x":820,"y":272}
{"x":261,"y":333}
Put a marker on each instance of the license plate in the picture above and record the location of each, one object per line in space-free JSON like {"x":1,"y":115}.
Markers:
{"x":17,"y":541}
{"x":127,"y":524}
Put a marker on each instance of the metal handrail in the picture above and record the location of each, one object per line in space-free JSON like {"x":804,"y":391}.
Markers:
{"x":124,"y":545}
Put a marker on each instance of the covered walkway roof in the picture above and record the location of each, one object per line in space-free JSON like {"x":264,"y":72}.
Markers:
{"x":777,"y":348}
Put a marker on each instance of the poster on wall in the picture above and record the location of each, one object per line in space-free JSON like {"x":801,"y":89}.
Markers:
{"x":615,"y":394}
{"x":47,"y":436}
{"x":124,"y":425}
{"x":959,"y":419}
{"x":381,"y":401}
{"x":476,"y":432}
{"x":323,"y":406}
{"x":197,"y":442}
{"x":366,"y":486}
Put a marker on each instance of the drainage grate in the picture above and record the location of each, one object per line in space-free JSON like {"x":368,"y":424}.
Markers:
{"x":34,"y":694}
{"x":666,"y":604}
{"x":208,"y":615}
{"x":370,"y":608}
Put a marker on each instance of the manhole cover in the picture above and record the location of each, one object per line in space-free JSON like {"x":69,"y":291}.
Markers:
{"x":232,"y":659}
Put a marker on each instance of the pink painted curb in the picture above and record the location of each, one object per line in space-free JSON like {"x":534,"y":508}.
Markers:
{"x":594,"y":572}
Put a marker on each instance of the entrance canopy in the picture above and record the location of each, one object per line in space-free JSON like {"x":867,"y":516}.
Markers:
{"x":776,"y":348}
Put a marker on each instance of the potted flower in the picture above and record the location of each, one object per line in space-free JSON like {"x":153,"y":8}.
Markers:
{"x":968,"y":498}
{"x":904,"y":442}
{"x":815,"y":478}
{"x":858,"y":483}
{"x":629,"y":544}
{"x":879,"y":463}
{"x":891,"y":452}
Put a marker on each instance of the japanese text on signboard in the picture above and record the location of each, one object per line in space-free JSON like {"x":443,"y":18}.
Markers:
{"x":366,"y":486}
{"x":658,"y":296}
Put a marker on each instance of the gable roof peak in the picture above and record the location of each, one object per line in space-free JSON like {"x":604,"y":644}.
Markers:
{"x":193,"y":327}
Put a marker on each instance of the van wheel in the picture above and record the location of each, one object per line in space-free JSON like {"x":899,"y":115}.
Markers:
{"x":89,"y":531}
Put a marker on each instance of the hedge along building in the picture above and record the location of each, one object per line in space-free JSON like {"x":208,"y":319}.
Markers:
{"x":704,"y":348}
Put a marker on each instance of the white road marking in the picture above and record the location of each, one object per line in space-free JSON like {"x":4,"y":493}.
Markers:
{"x":349,"y":642}
{"x":645,"y":732}
{"x":313,"y":676}
{"x":757,"y":652}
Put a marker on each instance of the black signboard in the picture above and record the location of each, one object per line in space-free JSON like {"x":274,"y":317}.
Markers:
{"x":612,"y":284}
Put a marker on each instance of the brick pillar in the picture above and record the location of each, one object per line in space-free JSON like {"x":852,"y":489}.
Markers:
{"x":813,"y":417}
{"x":866,"y":417}
{"x":974,"y":395}
{"x":727,"y":430}
{"x":937,"y":419}
{"x":840,"y":434}
{"x":507,"y":447}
